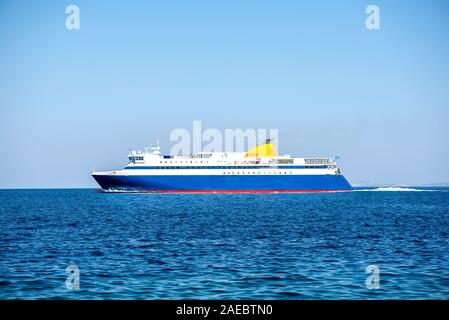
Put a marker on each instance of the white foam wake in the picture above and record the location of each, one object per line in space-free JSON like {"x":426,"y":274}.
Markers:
{"x":397,"y":189}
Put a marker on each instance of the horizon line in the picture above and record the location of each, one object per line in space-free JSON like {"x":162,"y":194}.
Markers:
{"x":446,"y":185}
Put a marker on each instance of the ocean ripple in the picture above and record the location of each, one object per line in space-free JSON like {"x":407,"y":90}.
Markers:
{"x":224,"y":246}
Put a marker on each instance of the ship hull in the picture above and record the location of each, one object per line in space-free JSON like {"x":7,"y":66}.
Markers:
{"x":223,"y":184}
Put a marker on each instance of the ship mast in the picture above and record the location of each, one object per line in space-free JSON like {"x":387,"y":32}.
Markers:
{"x":156,"y":148}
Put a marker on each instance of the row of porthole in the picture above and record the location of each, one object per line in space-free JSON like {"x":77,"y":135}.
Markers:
{"x":254,"y":172}
{"x":182,"y":161}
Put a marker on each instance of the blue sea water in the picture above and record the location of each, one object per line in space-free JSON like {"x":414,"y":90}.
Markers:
{"x":222,"y":246}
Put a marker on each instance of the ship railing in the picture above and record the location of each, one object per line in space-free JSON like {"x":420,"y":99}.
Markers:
{"x":281,"y":161}
{"x":319,"y":161}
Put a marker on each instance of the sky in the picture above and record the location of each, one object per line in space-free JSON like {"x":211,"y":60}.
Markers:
{"x":136,"y":70}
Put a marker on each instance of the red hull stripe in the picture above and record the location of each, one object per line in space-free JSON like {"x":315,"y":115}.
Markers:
{"x":224,"y":191}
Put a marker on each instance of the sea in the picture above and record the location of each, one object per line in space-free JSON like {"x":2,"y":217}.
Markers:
{"x":373,"y":243}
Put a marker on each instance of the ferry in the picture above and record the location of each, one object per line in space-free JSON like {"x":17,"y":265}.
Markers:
{"x":259,"y":170}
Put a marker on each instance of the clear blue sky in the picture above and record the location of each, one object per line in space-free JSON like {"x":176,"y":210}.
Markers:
{"x":138,"y":69}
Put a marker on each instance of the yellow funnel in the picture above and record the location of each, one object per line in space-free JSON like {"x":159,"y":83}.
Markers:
{"x":263,"y":150}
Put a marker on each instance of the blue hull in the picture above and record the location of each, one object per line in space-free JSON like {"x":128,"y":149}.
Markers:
{"x":214,"y":183}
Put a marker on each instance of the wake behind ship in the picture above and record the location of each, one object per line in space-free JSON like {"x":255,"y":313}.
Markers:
{"x":260,"y":169}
